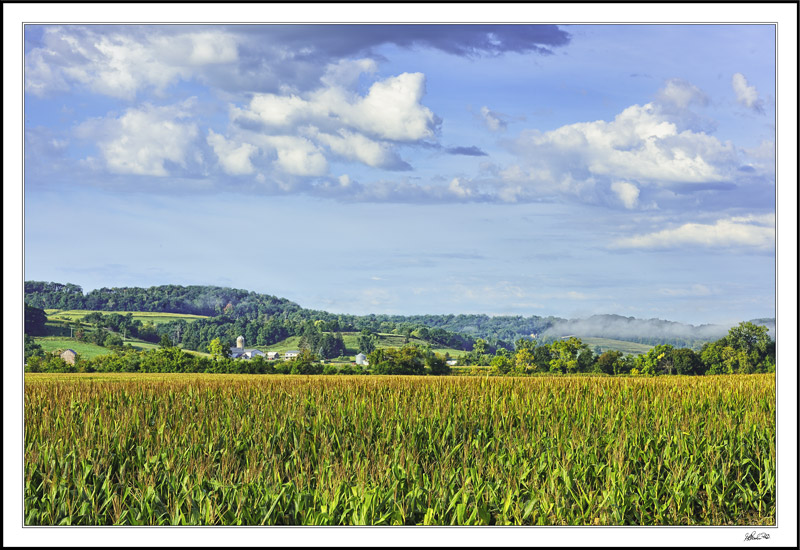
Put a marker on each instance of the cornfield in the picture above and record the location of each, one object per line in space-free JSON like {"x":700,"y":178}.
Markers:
{"x":316,"y":450}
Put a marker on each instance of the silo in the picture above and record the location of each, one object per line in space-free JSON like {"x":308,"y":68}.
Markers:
{"x":240,"y":342}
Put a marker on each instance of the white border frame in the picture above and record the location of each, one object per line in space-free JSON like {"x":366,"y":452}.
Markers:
{"x":784,"y":14}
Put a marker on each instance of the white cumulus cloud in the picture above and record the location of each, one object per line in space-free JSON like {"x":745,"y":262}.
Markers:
{"x":627,"y":192}
{"x":346,"y":72}
{"x":297,"y":156}
{"x":143,"y":139}
{"x":735,"y":232}
{"x":120,"y":65}
{"x":354,"y":146}
{"x":391,"y":110}
{"x":303,"y":129}
{"x":681,"y":94}
{"x":494,"y":121}
{"x":235,"y":160}
{"x":745,"y":94}
{"x":640,"y":144}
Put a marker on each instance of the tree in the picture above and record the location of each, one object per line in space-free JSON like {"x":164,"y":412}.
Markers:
{"x":32,"y":349}
{"x":609,"y":362}
{"x":542,"y":357}
{"x":565,"y":355}
{"x":98,"y":336}
{"x":423,"y":333}
{"x":524,"y":361}
{"x":165,"y":342}
{"x":436,"y":364}
{"x":501,"y":364}
{"x":113,"y":340}
{"x":586,"y":360}
{"x":217,"y":350}
{"x":367,"y":342}
{"x":35,"y":320}
{"x":305,"y":363}
{"x":148,"y":332}
{"x":753,"y":349}
{"x":737,"y":361}
{"x":712,"y":358}
{"x":747,"y":348}
{"x":686,"y":361}
{"x":658,"y":360}
{"x":748,"y":337}
{"x":407,"y":360}
{"x":524,"y":343}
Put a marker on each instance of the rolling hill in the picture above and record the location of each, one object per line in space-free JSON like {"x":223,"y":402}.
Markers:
{"x":211,"y":307}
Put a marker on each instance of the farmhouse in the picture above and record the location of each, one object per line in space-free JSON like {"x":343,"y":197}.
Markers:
{"x":239,"y":352}
{"x":69,"y":355}
{"x":292,"y":354}
{"x":273,"y":355}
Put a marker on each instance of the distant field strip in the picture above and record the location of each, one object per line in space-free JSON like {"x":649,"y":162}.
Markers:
{"x":156,"y":318}
{"x":379,"y":450}
{"x":606,"y":344}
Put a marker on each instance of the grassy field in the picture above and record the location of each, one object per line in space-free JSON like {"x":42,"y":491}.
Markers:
{"x":89,"y":351}
{"x":376,"y":450}
{"x":606,"y":344}
{"x":84,"y":349}
{"x":140,"y":345}
{"x":157,"y":318}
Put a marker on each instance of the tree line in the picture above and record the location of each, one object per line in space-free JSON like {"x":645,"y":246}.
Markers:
{"x":170,"y":359}
{"x":746,"y":349}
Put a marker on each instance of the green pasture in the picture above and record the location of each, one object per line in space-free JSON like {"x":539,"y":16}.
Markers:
{"x":53,"y":343}
{"x":606,"y":344}
{"x":157,"y":318}
{"x":88,"y":351}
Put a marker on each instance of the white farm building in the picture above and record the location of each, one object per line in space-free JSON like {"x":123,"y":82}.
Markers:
{"x":239,"y":352}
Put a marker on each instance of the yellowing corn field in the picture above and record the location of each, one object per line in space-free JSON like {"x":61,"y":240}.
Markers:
{"x":392,"y":450}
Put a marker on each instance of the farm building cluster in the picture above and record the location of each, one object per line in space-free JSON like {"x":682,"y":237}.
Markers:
{"x":240,"y":352}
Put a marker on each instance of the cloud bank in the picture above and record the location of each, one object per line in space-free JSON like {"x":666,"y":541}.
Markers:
{"x":124,"y":61}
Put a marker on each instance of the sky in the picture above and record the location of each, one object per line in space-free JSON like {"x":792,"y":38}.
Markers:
{"x":564,"y":170}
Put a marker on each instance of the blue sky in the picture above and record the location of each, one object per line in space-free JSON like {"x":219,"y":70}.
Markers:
{"x":563,"y":170}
